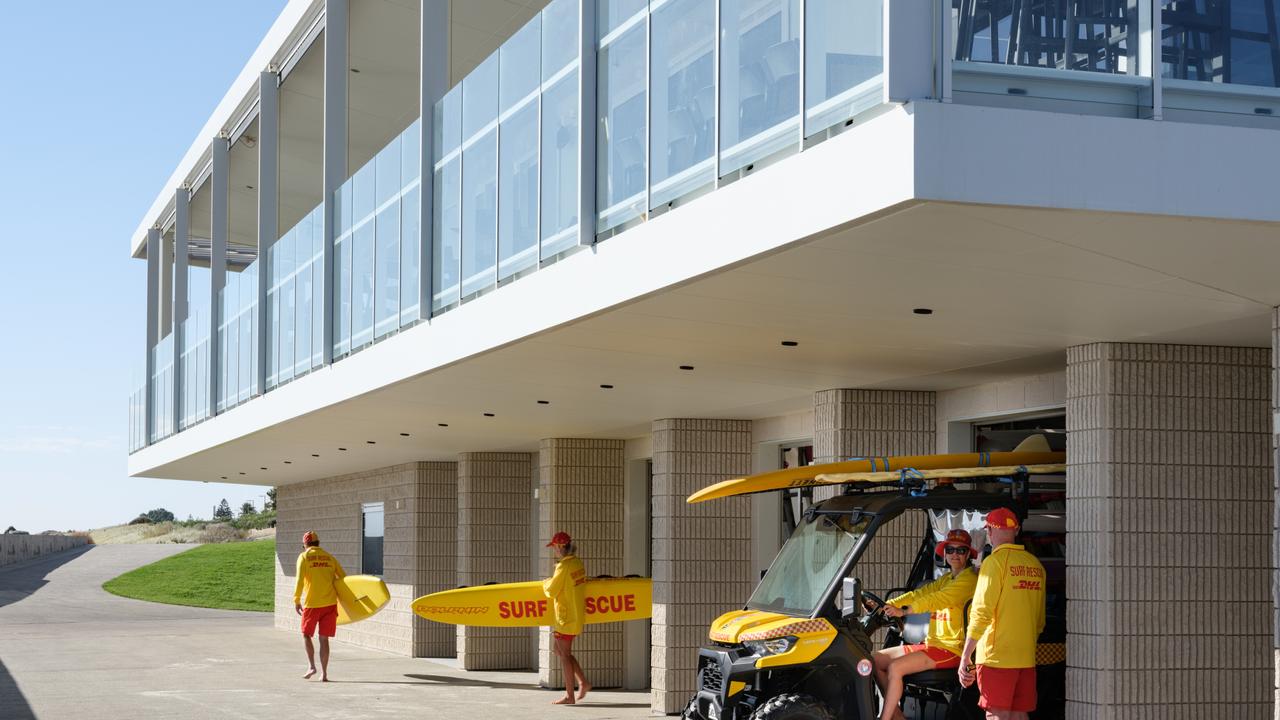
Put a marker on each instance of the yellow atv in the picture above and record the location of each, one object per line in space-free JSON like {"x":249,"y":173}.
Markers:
{"x":801,"y":647}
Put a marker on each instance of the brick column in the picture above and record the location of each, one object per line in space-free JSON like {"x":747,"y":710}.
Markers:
{"x":1169,"y":501}
{"x":437,"y":551}
{"x":419,"y":509}
{"x":493,"y":535}
{"x":859,"y":423}
{"x":1275,"y":465}
{"x":580,"y":485}
{"x":701,"y":553}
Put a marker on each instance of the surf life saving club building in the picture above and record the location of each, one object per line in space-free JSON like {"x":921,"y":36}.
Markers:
{"x":456,"y":275}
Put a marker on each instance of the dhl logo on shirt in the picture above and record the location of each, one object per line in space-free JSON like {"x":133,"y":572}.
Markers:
{"x":319,"y":563}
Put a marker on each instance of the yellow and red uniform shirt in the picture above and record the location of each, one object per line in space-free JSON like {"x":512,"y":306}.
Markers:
{"x":1007,"y":614}
{"x":944,"y":600}
{"x":318,"y":572}
{"x":568,"y":602}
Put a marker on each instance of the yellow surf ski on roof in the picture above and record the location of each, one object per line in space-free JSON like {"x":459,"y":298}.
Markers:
{"x":1032,"y":452}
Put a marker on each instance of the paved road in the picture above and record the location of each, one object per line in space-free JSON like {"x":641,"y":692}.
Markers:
{"x":70,"y":650}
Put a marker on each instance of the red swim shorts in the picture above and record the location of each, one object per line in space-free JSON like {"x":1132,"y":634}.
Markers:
{"x":326,"y":617}
{"x":562,"y":636}
{"x":942,"y":659}
{"x":1007,"y":688}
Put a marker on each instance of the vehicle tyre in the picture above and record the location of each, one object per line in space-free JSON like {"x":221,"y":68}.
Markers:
{"x":793,"y":707}
{"x":691,"y":710}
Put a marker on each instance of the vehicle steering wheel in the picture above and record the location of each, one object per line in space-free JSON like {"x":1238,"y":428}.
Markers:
{"x":872,"y":602}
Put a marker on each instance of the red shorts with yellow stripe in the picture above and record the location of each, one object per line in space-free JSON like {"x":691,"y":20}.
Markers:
{"x":943,"y":659}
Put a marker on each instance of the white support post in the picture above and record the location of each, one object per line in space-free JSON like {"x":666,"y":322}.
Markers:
{"x":218,"y":219}
{"x":587,"y":122}
{"x":336,"y":64}
{"x":268,"y":207}
{"x":181,"y":256}
{"x":433,"y":72}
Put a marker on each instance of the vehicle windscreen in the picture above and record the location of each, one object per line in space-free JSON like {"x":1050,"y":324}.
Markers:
{"x":808,"y":563}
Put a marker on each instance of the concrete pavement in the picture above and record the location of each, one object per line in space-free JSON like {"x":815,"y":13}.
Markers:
{"x":69,"y":649}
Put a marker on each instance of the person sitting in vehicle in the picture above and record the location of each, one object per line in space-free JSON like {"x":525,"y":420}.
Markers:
{"x":944,"y":599}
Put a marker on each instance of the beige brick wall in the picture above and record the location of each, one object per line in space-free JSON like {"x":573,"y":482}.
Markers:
{"x":418,"y":547}
{"x":701,"y":553}
{"x":858,"y":423}
{"x":18,"y":548}
{"x":580,"y":486}
{"x":494,"y":504}
{"x":1170,"y":497}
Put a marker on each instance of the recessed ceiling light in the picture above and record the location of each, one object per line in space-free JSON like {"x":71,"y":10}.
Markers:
{"x":224,"y":477}
{"x":288,"y":462}
{"x":488,"y":414}
{"x":248,"y":187}
{"x":789,"y":343}
{"x":544,"y":402}
{"x":923,"y":311}
{"x":404,"y":434}
{"x":355,"y":70}
{"x":370,"y":442}
{"x":606,"y":387}
{"x":315,"y":454}
{"x":343,"y":449}
{"x":443,"y":424}
{"x":262,"y":468}
{"x":241,"y":473}
{"x":686,"y":367}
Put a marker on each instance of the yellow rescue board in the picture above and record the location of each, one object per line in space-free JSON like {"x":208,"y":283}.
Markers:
{"x":360,"y":597}
{"x":954,"y":473}
{"x":834,"y":473}
{"x":523,"y":604}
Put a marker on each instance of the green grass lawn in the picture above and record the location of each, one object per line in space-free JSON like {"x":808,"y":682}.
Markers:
{"x":232,"y":576}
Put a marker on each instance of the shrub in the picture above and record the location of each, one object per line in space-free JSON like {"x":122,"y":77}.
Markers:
{"x":80,"y":533}
{"x":140,"y":520}
{"x":220,"y":533}
{"x":256,"y":521}
{"x":157,"y":530}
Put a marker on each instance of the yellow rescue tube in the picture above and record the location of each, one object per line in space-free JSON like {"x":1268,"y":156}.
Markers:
{"x":360,"y":597}
{"x":523,"y":604}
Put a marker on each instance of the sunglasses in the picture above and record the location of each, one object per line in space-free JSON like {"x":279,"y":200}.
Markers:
{"x":956,"y":550}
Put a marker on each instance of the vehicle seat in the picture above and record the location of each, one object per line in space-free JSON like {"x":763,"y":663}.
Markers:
{"x":939,"y":687}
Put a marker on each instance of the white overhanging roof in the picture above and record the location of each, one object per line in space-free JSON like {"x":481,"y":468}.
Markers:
{"x":294,"y":20}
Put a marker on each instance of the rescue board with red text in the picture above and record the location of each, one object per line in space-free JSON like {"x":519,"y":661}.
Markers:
{"x":523,"y":604}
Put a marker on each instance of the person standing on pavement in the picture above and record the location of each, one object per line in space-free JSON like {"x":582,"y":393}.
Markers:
{"x":318,"y":573}
{"x":568,"y":606}
{"x":1005,"y":622}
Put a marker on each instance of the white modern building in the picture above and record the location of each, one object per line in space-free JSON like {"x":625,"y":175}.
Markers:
{"x":455,"y":274}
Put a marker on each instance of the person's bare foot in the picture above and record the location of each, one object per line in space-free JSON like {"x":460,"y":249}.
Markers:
{"x":583,"y":689}
{"x":310,"y":673}
{"x":566,"y":700}
{"x":324,"y":678}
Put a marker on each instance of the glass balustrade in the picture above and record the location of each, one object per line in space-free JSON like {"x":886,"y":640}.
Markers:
{"x":194,"y":376}
{"x":376,"y":252}
{"x":162,"y":389}
{"x":138,"y":409}
{"x":237,"y":336}
{"x":295,"y":303}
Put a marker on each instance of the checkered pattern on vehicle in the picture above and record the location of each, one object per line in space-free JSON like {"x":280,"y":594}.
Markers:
{"x":1051,"y":653}
{"x":795,"y":628}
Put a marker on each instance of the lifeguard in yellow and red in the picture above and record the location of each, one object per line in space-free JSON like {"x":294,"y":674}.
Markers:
{"x":566,"y":588}
{"x":318,"y":575}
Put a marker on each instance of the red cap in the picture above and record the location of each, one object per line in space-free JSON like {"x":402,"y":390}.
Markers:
{"x":560,"y":538}
{"x":1002,"y":519}
{"x":309,"y":537}
{"x":956,"y":537}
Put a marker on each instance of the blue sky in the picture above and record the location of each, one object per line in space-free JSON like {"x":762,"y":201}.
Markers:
{"x":98,"y":103}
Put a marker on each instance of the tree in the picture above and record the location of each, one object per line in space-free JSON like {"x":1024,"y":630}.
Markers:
{"x":222,"y":511}
{"x":247,"y":509}
{"x":159,"y":515}
{"x":270,"y":504}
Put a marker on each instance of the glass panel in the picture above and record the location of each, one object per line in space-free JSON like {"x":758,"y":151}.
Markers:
{"x":362,"y":285}
{"x":342,"y":302}
{"x":480,"y":97}
{"x":518,"y":193}
{"x":1200,"y":42}
{"x":446,"y":246}
{"x":387,"y":282}
{"x":560,"y":166}
{"x":520,"y":66}
{"x":621,"y":132}
{"x":683,"y":106}
{"x":410,"y":222}
{"x":844,"y":60}
{"x":559,"y":36}
{"x":614,"y":13}
{"x":759,"y":79}
{"x":479,"y":213}
{"x":1092,"y":36}
{"x":318,"y":287}
{"x":446,"y":205}
{"x":372,"y":534}
{"x":273,"y":314}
